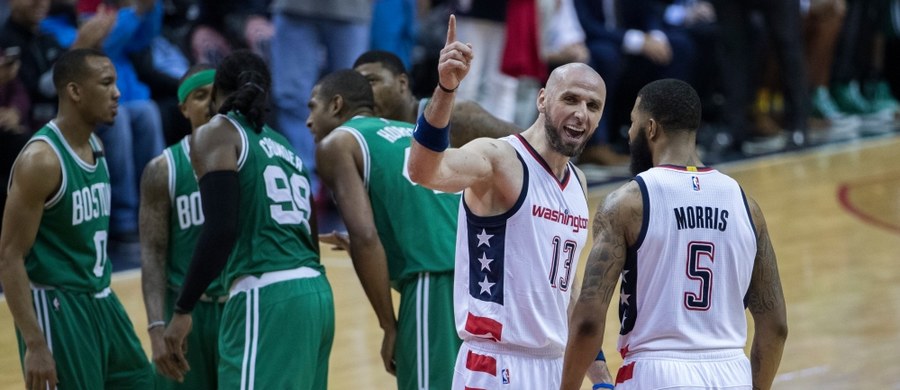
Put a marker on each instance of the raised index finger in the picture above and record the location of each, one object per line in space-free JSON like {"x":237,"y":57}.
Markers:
{"x":451,"y":30}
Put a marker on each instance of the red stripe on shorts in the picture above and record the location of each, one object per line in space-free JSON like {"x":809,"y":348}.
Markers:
{"x":484,"y":327}
{"x":481,"y":363}
{"x":625,"y":373}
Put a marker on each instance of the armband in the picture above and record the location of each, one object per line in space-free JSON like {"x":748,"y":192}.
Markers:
{"x":433,"y":138}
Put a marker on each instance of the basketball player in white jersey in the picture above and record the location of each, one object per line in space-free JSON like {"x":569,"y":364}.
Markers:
{"x":523,"y":221}
{"x":692,"y":251}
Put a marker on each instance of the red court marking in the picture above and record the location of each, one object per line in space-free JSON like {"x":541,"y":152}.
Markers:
{"x":843,"y":195}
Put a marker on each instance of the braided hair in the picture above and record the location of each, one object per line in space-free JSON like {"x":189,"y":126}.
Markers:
{"x":244,"y":78}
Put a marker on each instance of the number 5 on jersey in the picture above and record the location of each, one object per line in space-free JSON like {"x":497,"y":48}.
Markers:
{"x":697,"y":251}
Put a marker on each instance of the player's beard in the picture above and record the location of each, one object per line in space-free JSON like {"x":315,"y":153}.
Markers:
{"x":641,"y":156}
{"x":556,"y":142}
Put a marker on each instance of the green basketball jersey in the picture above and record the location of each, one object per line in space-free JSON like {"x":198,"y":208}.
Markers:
{"x":416,"y":225}
{"x":185,"y":216}
{"x":273,"y":231}
{"x":69,"y":251}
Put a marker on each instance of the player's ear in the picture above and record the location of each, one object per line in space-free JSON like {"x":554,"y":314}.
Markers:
{"x":652,"y":129}
{"x":403,"y":79}
{"x":336,"y":104}
{"x":541,"y":99}
{"x":74,"y":91}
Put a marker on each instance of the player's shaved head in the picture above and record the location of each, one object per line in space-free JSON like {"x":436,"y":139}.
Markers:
{"x":575,"y":73}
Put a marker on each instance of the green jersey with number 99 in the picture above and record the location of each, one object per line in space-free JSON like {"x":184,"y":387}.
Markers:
{"x":273,"y":232}
{"x":69,"y":251}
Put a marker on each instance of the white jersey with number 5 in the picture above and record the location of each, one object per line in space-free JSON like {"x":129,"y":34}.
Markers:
{"x":685,"y":279}
{"x":514,"y":271}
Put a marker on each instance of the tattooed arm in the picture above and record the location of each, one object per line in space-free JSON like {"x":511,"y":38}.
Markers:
{"x":616,"y":224}
{"x":766,"y":303}
{"x":471,"y":121}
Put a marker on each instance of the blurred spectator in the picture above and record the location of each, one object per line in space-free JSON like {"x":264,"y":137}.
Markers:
{"x":740,"y":64}
{"x":892,"y":46}
{"x":310,"y":39}
{"x":4,"y":10}
{"x":394,"y":28}
{"x":430,"y":40}
{"x":483,"y":23}
{"x":159,"y":66}
{"x":136,"y":136}
{"x":697,"y":18}
{"x":39,"y":50}
{"x":522,"y":58}
{"x":629,"y":46}
{"x":14,"y":106}
{"x":822,"y":26}
{"x":859,"y":64}
{"x":224,"y":25}
{"x":562,"y":38}
{"x":14,"y":101}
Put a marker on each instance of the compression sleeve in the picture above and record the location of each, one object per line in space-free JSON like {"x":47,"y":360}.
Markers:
{"x":219,"y":194}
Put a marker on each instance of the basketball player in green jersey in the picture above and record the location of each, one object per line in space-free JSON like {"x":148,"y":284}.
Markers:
{"x":278,"y":323}
{"x":394,"y":100}
{"x":361,"y":158}
{"x":71,"y":327}
{"x":171,"y":218}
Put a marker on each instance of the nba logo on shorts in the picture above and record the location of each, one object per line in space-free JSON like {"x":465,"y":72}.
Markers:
{"x":695,"y":182}
{"x":504,"y":374}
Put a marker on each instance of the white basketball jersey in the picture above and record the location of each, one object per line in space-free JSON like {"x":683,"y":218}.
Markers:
{"x":514,"y":271}
{"x":685,"y":279}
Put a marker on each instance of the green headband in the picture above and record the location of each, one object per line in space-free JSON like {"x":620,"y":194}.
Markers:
{"x":197,"y":80}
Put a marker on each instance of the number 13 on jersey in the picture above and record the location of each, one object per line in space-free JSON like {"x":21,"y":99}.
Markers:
{"x":564,"y":255}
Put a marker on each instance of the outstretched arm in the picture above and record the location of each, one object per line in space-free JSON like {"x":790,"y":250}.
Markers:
{"x":612,"y":224}
{"x":36,"y":175}
{"x":336,"y":158}
{"x":765,"y":300}
{"x":431,"y":164}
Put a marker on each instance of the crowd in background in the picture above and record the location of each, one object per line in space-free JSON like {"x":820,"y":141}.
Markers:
{"x":772,"y":74}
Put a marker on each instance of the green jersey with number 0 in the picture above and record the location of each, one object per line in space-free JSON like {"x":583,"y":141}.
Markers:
{"x":274,"y":232}
{"x":69,"y":251}
{"x":416,"y":225}
{"x":185,"y":216}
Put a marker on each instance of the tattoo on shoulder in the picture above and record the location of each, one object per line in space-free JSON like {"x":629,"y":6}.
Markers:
{"x":607,"y":256}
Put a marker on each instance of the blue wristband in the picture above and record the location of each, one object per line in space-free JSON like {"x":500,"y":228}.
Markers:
{"x":600,"y":356}
{"x":434,"y":138}
{"x":603,"y":386}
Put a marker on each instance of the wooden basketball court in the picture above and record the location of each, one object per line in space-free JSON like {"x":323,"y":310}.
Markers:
{"x":834,"y":217}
